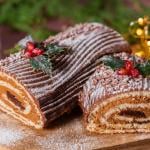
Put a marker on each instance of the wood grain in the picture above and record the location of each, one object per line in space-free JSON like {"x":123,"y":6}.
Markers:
{"x":66,"y":133}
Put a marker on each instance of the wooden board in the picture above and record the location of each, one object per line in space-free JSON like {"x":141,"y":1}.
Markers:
{"x":67,"y":133}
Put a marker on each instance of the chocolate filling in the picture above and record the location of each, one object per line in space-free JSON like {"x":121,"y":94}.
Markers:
{"x":131,"y":113}
{"x":13,"y":99}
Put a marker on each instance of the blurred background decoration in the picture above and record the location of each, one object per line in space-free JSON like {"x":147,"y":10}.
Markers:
{"x":42,"y":18}
{"x":140,"y":30}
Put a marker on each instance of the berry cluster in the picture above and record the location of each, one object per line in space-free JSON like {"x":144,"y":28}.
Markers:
{"x":128,"y":69}
{"x":32,"y":51}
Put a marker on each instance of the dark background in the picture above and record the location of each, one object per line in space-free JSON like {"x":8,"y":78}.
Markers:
{"x":42,"y":18}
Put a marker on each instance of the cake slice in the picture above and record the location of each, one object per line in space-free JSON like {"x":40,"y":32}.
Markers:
{"x":115,"y":103}
{"x":35,"y":98}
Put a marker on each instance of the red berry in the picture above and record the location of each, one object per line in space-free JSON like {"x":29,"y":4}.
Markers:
{"x":129,"y":65}
{"x":28,"y":54}
{"x":37,"y":51}
{"x":122,"y":71}
{"x":135,"y":73}
{"x":30,"y":46}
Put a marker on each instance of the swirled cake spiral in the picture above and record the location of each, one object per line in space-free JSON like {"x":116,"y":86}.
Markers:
{"x":115,"y":103}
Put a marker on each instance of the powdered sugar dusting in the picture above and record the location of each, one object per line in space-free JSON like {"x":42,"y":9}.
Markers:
{"x":67,"y":133}
{"x":10,"y":132}
{"x":8,"y":136}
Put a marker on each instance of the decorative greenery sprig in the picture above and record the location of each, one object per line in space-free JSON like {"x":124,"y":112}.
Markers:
{"x":41,"y":55}
{"x":42,"y":63}
{"x":113,"y":62}
{"x":114,"y":13}
{"x":144,"y":68}
{"x":128,"y":67}
{"x":15,"y":49}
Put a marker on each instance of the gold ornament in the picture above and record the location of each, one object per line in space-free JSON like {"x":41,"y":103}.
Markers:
{"x":139,"y":32}
{"x":141,"y":21}
{"x":148,"y":43}
{"x":140,"y":29}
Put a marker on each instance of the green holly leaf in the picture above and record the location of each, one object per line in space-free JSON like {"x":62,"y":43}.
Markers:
{"x":42,"y":63}
{"x":40,"y":45}
{"x":144,"y":68}
{"x":113,"y":62}
{"x":15,"y":49}
{"x":53,"y":49}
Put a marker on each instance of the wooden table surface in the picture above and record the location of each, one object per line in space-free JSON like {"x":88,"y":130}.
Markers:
{"x":67,"y":133}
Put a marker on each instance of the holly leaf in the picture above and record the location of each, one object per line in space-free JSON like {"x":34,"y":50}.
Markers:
{"x":53,"y":49}
{"x":144,"y":68}
{"x":15,"y":49}
{"x":40,"y":45}
{"x":42,"y":63}
{"x":113,"y":62}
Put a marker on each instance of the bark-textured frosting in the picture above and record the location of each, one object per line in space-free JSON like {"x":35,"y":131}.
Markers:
{"x":116,"y":103}
{"x":36,"y":99}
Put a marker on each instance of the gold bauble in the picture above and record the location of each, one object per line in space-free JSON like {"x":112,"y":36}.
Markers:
{"x":148,"y":43}
{"x":139,"y":32}
{"x":141,"y":21}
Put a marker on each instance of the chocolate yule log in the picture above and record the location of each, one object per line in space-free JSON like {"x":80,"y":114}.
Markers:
{"x":118,"y":101}
{"x":34,"y":97}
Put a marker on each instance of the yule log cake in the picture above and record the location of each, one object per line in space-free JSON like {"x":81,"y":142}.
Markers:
{"x":34,"y":97}
{"x":116,"y":98}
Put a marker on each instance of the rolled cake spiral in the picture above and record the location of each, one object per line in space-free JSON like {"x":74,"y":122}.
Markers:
{"x":36,"y":99}
{"x":115,"y":103}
